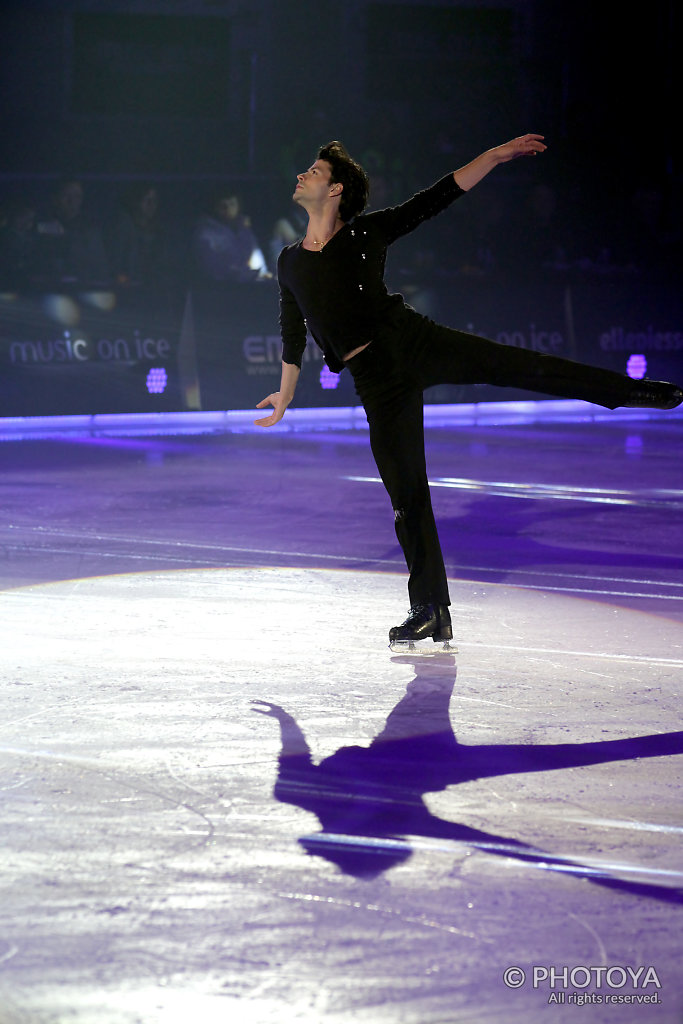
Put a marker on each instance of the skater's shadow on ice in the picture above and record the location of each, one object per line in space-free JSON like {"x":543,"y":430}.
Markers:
{"x":369,"y":799}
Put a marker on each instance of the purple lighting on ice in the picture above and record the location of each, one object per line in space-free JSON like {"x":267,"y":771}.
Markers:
{"x":157,"y":379}
{"x":328,"y":380}
{"x":636,"y":367}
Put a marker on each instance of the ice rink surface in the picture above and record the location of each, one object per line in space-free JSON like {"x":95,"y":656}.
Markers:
{"x":224,"y":798}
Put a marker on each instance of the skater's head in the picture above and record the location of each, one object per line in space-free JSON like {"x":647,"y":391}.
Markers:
{"x":348,"y":173}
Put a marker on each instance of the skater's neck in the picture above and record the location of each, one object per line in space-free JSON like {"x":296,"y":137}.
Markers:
{"x":322,"y":226}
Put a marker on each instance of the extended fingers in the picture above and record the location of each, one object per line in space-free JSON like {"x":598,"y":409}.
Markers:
{"x":532,"y":144}
{"x":269,"y":421}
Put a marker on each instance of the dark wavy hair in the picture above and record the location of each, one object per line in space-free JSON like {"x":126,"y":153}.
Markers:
{"x":347,"y":172}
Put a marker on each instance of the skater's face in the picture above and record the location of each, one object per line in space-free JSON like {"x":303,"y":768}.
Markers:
{"x":314,"y":185}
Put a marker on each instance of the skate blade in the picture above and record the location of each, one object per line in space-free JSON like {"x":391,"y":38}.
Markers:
{"x":422,"y":647}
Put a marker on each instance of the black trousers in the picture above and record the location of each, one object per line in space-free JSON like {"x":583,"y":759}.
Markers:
{"x":390,"y":376}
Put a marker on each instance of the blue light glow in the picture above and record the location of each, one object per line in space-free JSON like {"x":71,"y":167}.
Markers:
{"x":321,"y":419}
{"x":62,"y":308}
{"x":636,"y":367}
{"x":157,"y":379}
{"x":328,"y":380}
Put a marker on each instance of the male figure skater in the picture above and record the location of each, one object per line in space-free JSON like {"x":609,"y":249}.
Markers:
{"x":332,"y":283}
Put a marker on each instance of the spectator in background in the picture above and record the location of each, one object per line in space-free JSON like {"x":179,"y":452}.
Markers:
{"x":224,"y":245}
{"x":139,"y":247}
{"x":70,"y":246}
{"x":287,"y":230}
{"x":18,"y":245}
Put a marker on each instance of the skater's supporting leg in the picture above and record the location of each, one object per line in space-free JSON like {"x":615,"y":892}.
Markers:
{"x":397,"y":442}
{"x":393,"y":404}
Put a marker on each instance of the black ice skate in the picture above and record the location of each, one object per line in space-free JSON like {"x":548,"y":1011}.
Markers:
{"x":654,"y":394}
{"x":424,"y":622}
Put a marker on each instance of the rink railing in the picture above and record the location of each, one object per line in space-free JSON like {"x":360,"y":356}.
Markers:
{"x":310,"y":419}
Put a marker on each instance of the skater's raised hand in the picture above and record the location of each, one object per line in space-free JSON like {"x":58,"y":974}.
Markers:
{"x":525,"y":145}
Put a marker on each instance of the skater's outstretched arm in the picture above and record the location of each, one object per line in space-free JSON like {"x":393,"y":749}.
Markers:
{"x":526,"y":145}
{"x":282,"y":398}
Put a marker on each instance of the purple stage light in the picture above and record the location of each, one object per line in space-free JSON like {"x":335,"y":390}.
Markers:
{"x":636,"y":367}
{"x":328,"y":380}
{"x":157,"y":379}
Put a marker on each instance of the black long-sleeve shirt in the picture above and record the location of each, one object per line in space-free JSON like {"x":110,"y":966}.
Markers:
{"x":339,"y":293}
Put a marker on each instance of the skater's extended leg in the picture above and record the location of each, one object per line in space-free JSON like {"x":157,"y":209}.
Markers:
{"x":449,"y":356}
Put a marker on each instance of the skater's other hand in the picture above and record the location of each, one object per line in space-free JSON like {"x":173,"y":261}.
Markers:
{"x":279,"y":406}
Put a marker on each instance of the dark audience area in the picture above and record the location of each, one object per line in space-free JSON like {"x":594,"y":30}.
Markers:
{"x":131,"y":233}
{"x":150,"y":159}
{"x":146,"y":233}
